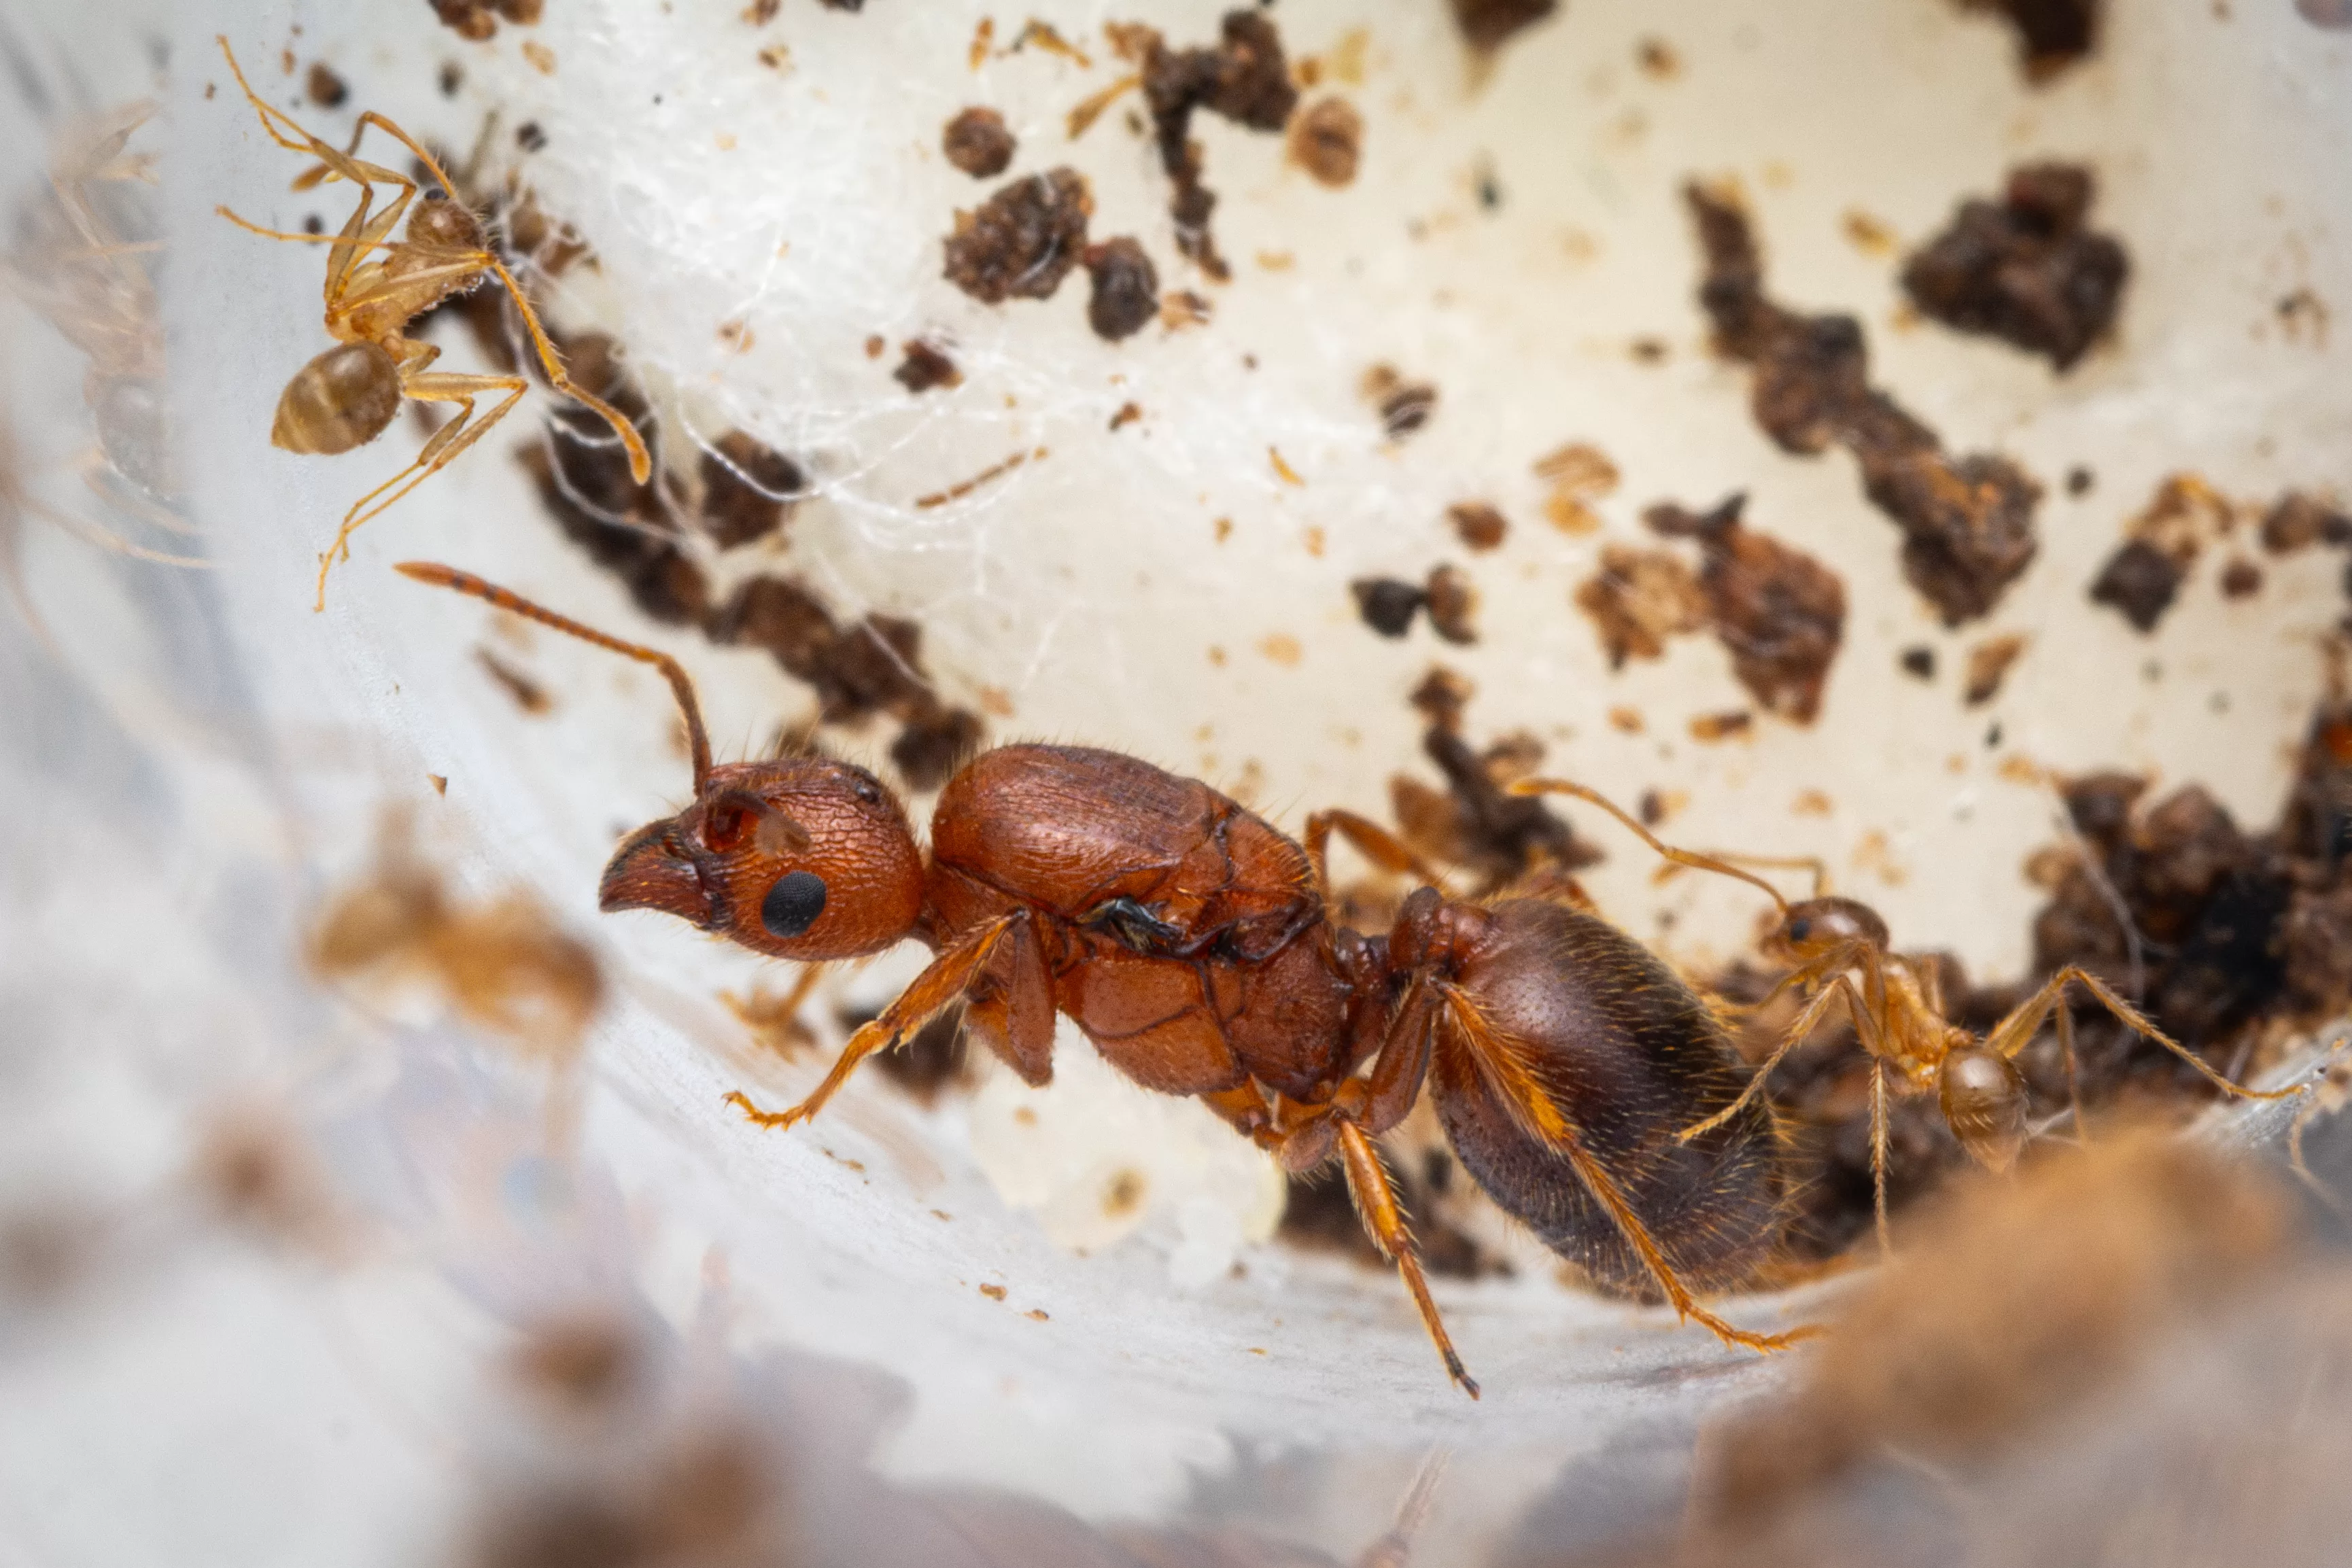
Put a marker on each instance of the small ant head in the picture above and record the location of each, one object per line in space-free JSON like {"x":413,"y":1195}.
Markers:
{"x":341,"y":399}
{"x":1983,"y":1096}
{"x":804,"y":858}
{"x":444,"y":224}
{"x":1819,"y":925}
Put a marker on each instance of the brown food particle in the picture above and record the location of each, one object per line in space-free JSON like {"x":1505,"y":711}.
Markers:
{"x":1478,"y":525}
{"x":937,"y":1058}
{"x":748,"y":489}
{"x":1968,"y":523}
{"x":1988,"y":664}
{"x":1657,"y":60}
{"x":1243,"y":79}
{"x":1404,"y":406}
{"x":1388,"y":604}
{"x":529,"y":137}
{"x":528,"y":693}
{"x":2242,"y":579}
{"x":2050,"y":34}
{"x":1129,"y":413}
{"x":978,"y":142}
{"x":1328,"y":142}
{"x":2145,"y":574}
{"x":469,"y":19}
{"x":326,"y":90}
{"x":1714,"y":726}
{"x":1125,"y":298}
{"x":1919,"y":661}
{"x":522,"y":13}
{"x":1779,"y":612}
{"x":1024,"y":240}
{"x":1451,"y":602}
{"x":1487,"y":24}
{"x":1638,"y":598}
{"x":924,"y":367}
{"x":2024,"y":269}
{"x":2297,"y":521}
{"x":994,"y":1292}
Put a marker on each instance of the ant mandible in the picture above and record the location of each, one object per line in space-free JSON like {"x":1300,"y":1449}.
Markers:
{"x":1188,"y":939}
{"x":346,"y":397}
{"x":1839,"y":949}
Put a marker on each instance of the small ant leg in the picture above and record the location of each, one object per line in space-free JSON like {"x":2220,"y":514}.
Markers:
{"x":787,"y":1011}
{"x":442,"y":449}
{"x":935,"y":988}
{"x":1376,"y":1202}
{"x":1372,"y":841}
{"x":1865,"y":1028}
{"x":2066,"y":1021}
{"x":2011,"y":1034}
{"x":1542,"y":1116}
{"x":641,"y":464}
{"x":1878,"y":1153}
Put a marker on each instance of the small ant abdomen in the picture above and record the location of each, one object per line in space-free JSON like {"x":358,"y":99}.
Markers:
{"x":1984,"y":1100}
{"x":341,"y":399}
{"x":1610,"y":1042}
{"x":1818,"y":925}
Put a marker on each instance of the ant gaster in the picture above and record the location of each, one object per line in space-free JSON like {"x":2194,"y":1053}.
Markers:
{"x":1839,"y":949}
{"x":346,"y":397}
{"x":1187,"y":938}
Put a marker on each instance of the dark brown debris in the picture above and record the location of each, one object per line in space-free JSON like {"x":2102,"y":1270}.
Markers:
{"x":1474,"y":822}
{"x":1452,"y":603}
{"x":978,"y":142}
{"x":2143,"y":576}
{"x":1244,"y":79}
{"x":1125,"y":296}
{"x":1478,"y":525}
{"x":1779,"y":612}
{"x":1488,"y":25}
{"x":324,"y":87}
{"x":1968,"y":522}
{"x":1328,"y":142}
{"x":2240,"y":578}
{"x":1024,"y":240}
{"x":1405,"y":405}
{"x":478,"y":19}
{"x":1919,"y":661}
{"x":2050,"y":34}
{"x":1988,"y":664}
{"x":925,"y":366}
{"x":1638,"y":599}
{"x":2024,"y":269}
{"x":748,"y":489}
{"x":1388,"y":604}
{"x":2298,"y":520}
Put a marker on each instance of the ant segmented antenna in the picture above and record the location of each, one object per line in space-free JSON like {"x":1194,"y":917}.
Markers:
{"x":1680,"y":857}
{"x":680,"y":683}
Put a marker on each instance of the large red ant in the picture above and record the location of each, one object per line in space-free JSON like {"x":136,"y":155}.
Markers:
{"x":1189,"y":939}
{"x":1838,"y":948}
{"x":346,"y":397}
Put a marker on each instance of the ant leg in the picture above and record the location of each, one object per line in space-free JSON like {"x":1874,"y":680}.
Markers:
{"x":438,"y":452}
{"x":1542,"y":1115}
{"x":2066,"y":1021}
{"x":2011,"y":1034}
{"x":1372,"y":841}
{"x":641,"y":463}
{"x":1878,"y":1152}
{"x":1015,"y":1018}
{"x":1680,"y":857}
{"x":937,"y":988}
{"x":1376,"y":1203}
{"x":786,"y":1012}
{"x":1801,"y":1025}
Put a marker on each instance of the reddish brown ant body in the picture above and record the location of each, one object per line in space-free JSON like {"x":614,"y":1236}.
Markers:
{"x":376,"y":286}
{"x":1187,"y":938}
{"x":1840,"y":950}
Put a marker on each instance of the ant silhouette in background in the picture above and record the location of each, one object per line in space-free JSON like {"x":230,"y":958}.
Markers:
{"x":1839,"y":950}
{"x":1189,"y":939}
{"x":375,"y":287}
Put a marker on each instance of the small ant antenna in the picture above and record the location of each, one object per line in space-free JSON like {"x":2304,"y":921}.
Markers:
{"x":1680,"y":857}
{"x":698,"y":738}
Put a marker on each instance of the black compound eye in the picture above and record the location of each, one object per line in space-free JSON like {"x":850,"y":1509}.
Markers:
{"x":792,"y":906}
{"x":1800,"y":929}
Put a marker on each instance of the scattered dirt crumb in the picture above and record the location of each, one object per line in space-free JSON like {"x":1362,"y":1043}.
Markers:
{"x":925,"y":367}
{"x":1638,"y":599}
{"x":1282,"y":648}
{"x":749,"y":488}
{"x":2297,"y":521}
{"x":1478,"y":525}
{"x":440,"y":782}
{"x":1811,"y":803}
{"x":2240,"y":578}
{"x":1244,"y":79}
{"x":2143,"y":576}
{"x":1451,"y":602}
{"x":2079,"y":481}
{"x":1388,"y":604}
{"x":542,"y":58}
{"x":1488,"y":25}
{"x":1579,"y":474}
{"x":1129,"y":413}
{"x":2025,"y":269}
{"x":1870,"y":235}
{"x":1282,"y":470}
{"x":1988,"y":664}
{"x":2302,"y":313}
{"x":1024,"y":240}
{"x":978,"y":142}
{"x":324,"y":87}
{"x":2052,"y":34}
{"x":760,"y":13}
{"x":1657,"y":60}
{"x":1473,"y":823}
{"x":1404,"y":406}
{"x":1328,"y":142}
{"x":994,"y":1292}
{"x":1181,"y":307}
{"x":1125,"y":296}
{"x":1919,"y":661}
{"x":478,"y":19}
{"x":1714,"y":726}
{"x":1780,"y":614}
{"x":1626,"y":720}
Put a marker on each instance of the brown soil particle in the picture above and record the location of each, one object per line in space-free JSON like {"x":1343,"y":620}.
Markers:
{"x":1388,"y":604}
{"x":1125,"y":296}
{"x":1328,"y":142}
{"x":1024,"y":240}
{"x":1919,"y":662}
{"x":2242,"y":579}
{"x":1478,"y":525}
{"x":922,"y":367}
{"x":1968,"y":522}
{"x":1638,"y":598}
{"x":1453,"y":601}
{"x":324,"y":87}
{"x":1244,"y":79}
{"x":1709,"y":728}
{"x":478,"y":19}
{"x":1505,"y":838}
{"x":1779,"y":612}
{"x":749,"y":488}
{"x":978,"y":142}
{"x":2297,"y":521}
{"x":2050,"y":34}
{"x":2141,"y":582}
{"x":1486,"y":25}
{"x":1404,"y":406}
{"x":2024,"y":269}
{"x":1988,"y":664}
{"x":2143,"y":576}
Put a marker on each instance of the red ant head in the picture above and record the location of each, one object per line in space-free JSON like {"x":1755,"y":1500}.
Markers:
{"x":1817,"y":926}
{"x":804,"y":858}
